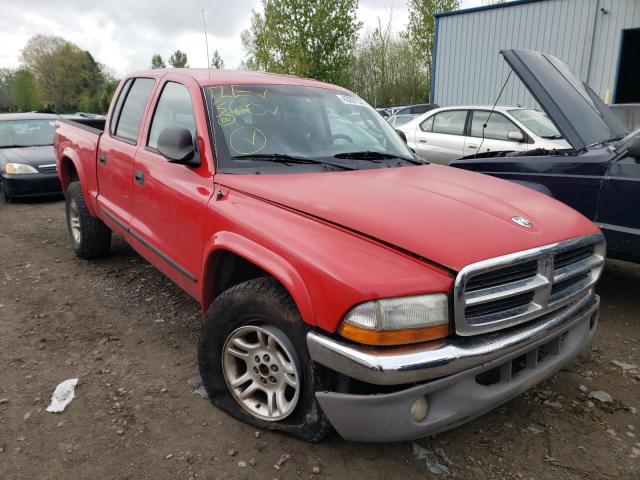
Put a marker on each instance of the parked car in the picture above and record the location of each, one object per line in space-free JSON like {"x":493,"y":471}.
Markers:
{"x":383,"y":112}
{"x":400,"y":119}
{"x":628,"y":114}
{"x":337,"y":271}
{"x":417,"y":109}
{"x":27,"y":158}
{"x":599,"y":176}
{"x":403,"y":115}
{"x":445,"y":134}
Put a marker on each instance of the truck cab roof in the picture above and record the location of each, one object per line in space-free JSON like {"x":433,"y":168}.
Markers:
{"x":207,"y":77}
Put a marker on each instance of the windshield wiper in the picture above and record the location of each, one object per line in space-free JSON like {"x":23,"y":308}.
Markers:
{"x":289,"y":159}
{"x":552,"y":137}
{"x":373,"y":155}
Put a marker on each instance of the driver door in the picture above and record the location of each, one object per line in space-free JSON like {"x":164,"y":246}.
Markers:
{"x":169,"y":199}
{"x":497,"y":129}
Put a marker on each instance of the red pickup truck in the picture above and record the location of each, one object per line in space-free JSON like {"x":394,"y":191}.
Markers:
{"x":343,"y":281}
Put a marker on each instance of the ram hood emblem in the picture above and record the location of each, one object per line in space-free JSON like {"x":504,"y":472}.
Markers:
{"x":523,"y":222}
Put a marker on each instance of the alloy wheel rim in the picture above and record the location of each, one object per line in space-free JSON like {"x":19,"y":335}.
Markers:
{"x":74,"y":221}
{"x":261,"y":369}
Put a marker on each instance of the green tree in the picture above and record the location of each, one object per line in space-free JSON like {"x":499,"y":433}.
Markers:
{"x":216,"y":61}
{"x":386,"y":72}
{"x":25,"y":92}
{"x":179,"y":59}
{"x":421,"y":29}
{"x":6,"y":89}
{"x":157,"y":62}
{"x":312,"y":39}
{"x":67,"y":77}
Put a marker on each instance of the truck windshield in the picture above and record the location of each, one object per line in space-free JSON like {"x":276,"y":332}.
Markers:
{"x":265,"y":123}
{"x":26,"y":133}
{"x":537,"y":122}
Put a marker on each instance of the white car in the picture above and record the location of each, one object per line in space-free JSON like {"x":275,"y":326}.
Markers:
{"x":445,"y":134}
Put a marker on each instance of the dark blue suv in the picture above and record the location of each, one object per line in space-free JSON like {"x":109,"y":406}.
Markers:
{"x":599,"y":176}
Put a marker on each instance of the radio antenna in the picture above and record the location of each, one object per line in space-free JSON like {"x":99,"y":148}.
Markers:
{"x":206,"y":41}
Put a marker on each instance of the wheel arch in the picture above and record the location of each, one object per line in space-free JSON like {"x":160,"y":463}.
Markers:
{"x":229,"y":251}
{"x":70,"y":170}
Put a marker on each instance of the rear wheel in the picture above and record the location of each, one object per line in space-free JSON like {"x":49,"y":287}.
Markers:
{"x":254,"y":361}
{"x":90,"y":237}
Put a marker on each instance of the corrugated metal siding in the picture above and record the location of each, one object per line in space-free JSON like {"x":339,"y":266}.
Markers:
{"x":469,"y":69}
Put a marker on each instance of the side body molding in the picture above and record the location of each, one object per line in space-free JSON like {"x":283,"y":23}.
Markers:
{"x":264,"y":258}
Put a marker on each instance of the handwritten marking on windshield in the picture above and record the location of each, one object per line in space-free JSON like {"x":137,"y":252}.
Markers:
{"x":247,"y":140}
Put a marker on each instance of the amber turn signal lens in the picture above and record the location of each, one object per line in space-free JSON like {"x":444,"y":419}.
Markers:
{"x":392,"y":337}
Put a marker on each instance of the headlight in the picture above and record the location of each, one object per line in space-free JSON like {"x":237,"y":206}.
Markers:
{"x":398,"y":321}
{"x":19,"y":168}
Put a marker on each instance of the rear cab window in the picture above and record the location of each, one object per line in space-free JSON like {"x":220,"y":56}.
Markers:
{"x":130,"y":108}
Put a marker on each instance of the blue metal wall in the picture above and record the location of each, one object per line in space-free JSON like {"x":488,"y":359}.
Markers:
{"x":469,"y":70}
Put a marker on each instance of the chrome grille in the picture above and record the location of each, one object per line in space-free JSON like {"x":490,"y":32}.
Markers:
{"x":49,"y":168}
{"x":509,"y":290}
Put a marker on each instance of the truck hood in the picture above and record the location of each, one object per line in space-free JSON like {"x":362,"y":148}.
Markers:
{"x":575,"y":109}
{"x":446,"y":215}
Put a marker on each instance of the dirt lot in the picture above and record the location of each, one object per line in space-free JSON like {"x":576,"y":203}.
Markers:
{"x":129,"y":335}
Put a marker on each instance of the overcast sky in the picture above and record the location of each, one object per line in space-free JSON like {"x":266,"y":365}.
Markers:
{"x":124,"y":34}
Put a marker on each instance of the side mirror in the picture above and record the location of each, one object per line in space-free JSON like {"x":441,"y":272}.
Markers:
{"x":634,"y":149}
{"x":176,"y":145}
{"x":515,"y":136}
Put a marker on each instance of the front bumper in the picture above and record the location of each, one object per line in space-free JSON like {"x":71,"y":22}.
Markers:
{"x":31,"y":184}
{"x":465,"y":377}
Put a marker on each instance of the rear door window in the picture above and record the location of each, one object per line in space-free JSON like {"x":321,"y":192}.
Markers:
{"x":174,"y":109}
{"x":135,"y":103}
{"x":450,"y":122}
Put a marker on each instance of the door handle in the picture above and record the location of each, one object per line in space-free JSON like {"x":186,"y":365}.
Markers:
{"x":102,"y":159}
{"x":422,"y":141}
{"x":139,"y":176}
{"x":472,"y":146}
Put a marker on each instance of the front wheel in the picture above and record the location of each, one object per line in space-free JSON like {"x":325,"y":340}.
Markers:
{"x":4,"y":196}
{"x":90,"y":237}
{"x":254,"y":361}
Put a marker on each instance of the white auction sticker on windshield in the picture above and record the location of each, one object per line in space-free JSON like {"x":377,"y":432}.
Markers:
{"x":351,"y":100}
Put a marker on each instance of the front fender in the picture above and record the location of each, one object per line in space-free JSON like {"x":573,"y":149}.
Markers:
{"x":262,"y":257}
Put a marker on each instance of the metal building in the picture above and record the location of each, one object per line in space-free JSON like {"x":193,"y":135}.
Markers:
{"x":598,"y":39}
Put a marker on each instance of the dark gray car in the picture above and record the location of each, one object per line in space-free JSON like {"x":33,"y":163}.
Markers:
{"x":27,"y":159}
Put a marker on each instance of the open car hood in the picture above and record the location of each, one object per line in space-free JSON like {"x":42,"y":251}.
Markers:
{"x":580,"y":115}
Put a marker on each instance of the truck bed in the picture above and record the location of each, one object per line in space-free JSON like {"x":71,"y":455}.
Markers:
{"x":94,"y":125}
{"x":76,"y":144}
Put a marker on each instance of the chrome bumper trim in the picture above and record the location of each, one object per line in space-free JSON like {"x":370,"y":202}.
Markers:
{"x":427,"y":361}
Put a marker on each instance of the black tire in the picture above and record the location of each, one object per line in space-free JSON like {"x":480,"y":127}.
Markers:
{"x":94,"y":239}
{"x":4,"y":195}
{"x":263,"y":301}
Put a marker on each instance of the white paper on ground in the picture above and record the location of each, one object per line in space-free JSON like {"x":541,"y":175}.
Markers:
{"x":62,"y":395}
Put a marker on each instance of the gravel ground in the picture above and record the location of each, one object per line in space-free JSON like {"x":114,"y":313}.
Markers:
{"x":129,"y":336}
